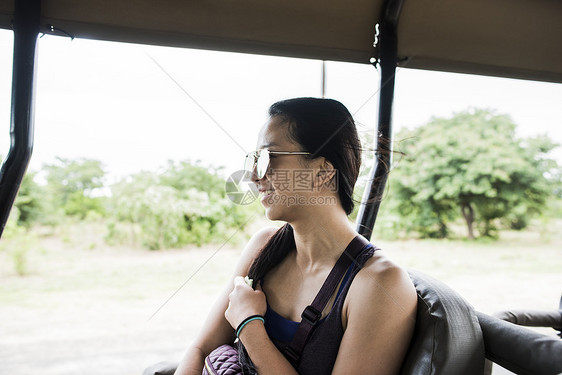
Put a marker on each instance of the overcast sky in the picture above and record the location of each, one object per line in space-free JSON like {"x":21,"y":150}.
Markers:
{"x":113,"y":102}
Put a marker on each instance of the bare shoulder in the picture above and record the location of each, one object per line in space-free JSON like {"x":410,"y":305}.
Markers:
{"x":381,"y":281}
{"x":259,"y":239}
{"x":254,"y":245}
{"x":378,"y":319}
{"x":381,"y":269}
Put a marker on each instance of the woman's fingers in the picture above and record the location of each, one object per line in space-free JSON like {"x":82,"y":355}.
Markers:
{"x":239,"y":280}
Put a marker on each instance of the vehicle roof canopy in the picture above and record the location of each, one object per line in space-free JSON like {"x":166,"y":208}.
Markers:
{"x":509,"y":38}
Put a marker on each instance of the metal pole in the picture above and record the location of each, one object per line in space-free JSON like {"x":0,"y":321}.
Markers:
{"x":388,"y":55}
{"x":323,"y":78}
{"x":26,"y":30}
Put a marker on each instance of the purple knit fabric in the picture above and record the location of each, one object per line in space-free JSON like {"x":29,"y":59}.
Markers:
{"x":222,"y":361}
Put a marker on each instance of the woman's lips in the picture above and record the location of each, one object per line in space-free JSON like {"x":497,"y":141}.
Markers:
{"x":266,"y":194}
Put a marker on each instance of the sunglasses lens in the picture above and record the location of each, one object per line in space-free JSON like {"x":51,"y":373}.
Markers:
{"x":249,"y":162}
{"x":257,"y":162}
{"x":262,"y":163}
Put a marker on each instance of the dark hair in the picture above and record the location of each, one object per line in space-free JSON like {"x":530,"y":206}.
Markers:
{"x":323,"y":127}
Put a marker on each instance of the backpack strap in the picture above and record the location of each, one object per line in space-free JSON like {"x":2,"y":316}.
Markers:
{"x":312,"y":313}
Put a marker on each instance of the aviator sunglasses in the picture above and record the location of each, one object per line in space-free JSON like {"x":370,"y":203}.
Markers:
{"x":258,"y":161}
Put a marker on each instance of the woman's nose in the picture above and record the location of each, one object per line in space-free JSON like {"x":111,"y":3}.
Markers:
{"x":253,"y":175}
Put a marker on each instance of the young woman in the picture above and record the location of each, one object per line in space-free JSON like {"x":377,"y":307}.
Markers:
{"x":306,"y":165}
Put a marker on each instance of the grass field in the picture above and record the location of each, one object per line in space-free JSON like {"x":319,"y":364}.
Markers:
{"x":87,"y":308}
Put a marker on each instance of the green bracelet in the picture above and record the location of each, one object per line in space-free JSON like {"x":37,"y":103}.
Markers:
{"x":246,"y":321}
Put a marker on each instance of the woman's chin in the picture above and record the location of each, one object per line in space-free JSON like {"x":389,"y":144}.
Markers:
{"x":271,"y":214}
{"x":275,"y":213}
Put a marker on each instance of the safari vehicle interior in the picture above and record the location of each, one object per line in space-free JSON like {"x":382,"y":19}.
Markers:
{"x":516,"y":39}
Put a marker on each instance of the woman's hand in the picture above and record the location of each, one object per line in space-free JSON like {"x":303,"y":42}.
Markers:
{"x":244,"y":301}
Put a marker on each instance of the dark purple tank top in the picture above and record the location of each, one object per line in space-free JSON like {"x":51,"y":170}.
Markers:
{"x":321,"y":350}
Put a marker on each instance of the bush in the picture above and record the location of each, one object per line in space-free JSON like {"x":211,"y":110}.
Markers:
{"x":186,"y":204}
{"x":17,"y":242}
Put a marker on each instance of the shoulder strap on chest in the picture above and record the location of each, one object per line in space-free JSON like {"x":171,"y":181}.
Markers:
{"x":312,"y":313}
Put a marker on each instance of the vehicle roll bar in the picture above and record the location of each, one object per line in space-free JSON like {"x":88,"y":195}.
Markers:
{"x":387,"y":49}
{"x":26,"y":30}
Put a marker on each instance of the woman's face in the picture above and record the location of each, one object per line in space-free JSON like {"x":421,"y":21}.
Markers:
{"x":289,"y":179}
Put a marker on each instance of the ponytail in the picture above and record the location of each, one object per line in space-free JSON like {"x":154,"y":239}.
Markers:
{"x":272,"y":253}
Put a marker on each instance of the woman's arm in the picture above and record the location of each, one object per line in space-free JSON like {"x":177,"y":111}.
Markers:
{"x":264,"y":354}
{"x":217,"y":330}
{"x":245,"y":302}
{"x":381,"y":310}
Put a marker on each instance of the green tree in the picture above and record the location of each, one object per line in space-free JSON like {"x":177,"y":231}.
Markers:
{"x":185,"y":175}
{"x":72,"y":186}
{"x":185,"y":203}
{"x":471,"y":164}
{"x":29,"y":200}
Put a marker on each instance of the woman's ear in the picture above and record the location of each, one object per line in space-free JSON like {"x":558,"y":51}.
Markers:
{"x":325,"y":176}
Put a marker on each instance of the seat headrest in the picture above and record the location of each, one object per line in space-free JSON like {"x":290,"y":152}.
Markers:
{"x":447,"y":337}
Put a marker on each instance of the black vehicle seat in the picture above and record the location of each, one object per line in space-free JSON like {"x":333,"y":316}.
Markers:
{"x":447,"y":337}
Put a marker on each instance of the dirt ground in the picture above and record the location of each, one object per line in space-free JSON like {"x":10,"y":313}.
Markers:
{"x":88,"y":308}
